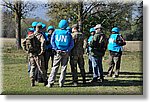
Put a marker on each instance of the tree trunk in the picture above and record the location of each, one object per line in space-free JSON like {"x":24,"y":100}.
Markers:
{"x":18,"y":25}
{"x":18,"y":31}
{"x":80,"y":18}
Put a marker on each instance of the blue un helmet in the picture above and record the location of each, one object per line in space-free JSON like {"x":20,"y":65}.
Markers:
{"x":30,"y":29}
{"x":34,"y":24}
{"x":63,"y":24}
{"x":39,"y":23}
{"x":92,"y":30}
{"x":50,"y":28}
{"x":115,"y":29}
{"x":43,"y":25}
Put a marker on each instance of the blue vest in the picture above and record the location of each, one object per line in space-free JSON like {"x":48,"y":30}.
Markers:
{"x":112,"y":45}
{"x":89,"y":40}
{"x":62,"y":39}
{"x":49,"y":46}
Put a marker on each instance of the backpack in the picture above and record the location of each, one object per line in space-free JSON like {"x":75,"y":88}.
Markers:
{"x":32,"y":44}
{"x":100,"y":44}
{"x":120,"y":41}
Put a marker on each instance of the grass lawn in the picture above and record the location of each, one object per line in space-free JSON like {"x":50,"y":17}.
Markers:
{"x":16,"y":80}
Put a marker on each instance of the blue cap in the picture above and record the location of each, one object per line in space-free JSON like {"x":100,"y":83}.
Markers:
{"x":43,"y":25}
{"x":50,"y":28}
{"x":63,"y":24}
{"x":34,"y":24}
{"x":92,"y":30}
{"x":31,"y":29}
{"x":115,"y":29}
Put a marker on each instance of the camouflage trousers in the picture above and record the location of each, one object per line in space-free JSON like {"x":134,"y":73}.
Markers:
{"x":37,"y":62}
{"x":74,"y":60}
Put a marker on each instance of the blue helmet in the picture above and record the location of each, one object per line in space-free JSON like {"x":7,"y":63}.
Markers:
{"x":39,"y":23}
{"x":63,"y":24}
{"x":31,"y":29}
{"x":115,"y":29}
{"x":43,"y":25}
{"x":50,"y":28}
{"x":34,"y":24}
{"x":92,"y":30}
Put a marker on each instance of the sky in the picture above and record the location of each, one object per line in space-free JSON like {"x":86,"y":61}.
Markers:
{"x":40,"y":12}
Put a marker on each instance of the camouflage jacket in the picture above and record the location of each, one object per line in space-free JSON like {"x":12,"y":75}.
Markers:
{"x":78,"y":44}
{"x":98,"y":45}
{"x":41,"y":44}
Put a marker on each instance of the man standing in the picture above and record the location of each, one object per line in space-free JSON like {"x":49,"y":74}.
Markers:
{"x":35,"y":47}
{"x":49,"y":52}
{"x":76,"y":56}
{"x":92,"y":31}
{"x":62,"y":43}
{"x":98,"y":45}
{"x":115,"y":44}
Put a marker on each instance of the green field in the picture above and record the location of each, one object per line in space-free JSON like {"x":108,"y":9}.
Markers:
{"x":16,"y":80}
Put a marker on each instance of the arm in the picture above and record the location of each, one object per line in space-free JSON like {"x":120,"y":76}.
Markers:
{"x":71,"y":44}
{"x":24,"y":45}
{"x":43,"y":44}
{"x":53,"y":41}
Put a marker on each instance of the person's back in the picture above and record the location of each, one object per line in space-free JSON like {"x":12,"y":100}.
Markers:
{"x":62,"y":39}
{"x":115,"y":52}
{"x":98,"y":44}
{"x":78,"y":43}
{"x":62,"y":43}
{"x":36,"y":48}
{"x":76,"y":56}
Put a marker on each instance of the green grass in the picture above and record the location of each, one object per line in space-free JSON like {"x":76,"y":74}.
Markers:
{"x":16,"y":80}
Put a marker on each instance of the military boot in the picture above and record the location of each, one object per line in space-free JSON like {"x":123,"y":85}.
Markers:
{"x":45,"y":83}
{"x":32,"y":83}
{"x":84,"y":80}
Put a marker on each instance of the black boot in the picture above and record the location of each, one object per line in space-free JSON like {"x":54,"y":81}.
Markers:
{"x":101,"y":78}
{"x":84,"y":80}
{"x":45,"y":83}
{"x":32,"y":83}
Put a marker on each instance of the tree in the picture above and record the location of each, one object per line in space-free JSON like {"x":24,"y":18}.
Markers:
{"x":8,"y":23}
{"x":75,"y":12}
{"x":20,"y":9}
{"x":89,"y":13}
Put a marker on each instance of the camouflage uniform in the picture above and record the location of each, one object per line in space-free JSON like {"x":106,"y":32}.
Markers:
{"x":76,"y":56}
{"x":36,"y":59}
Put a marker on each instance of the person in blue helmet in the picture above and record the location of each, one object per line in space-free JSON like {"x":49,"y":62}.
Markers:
{"x":44,"y":27}
{"x":92,"y":31}
{"x":38,"y":74}
{"x":62,"y":43}
{"x":115,"y":43}
{"x":99,"y":46}
{"x":49,"y":51}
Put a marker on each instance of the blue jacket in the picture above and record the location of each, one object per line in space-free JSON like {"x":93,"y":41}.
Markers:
{"x":89,"y":40}
{"x":112,"y":45}
{"x":48,"y":40}
{"x":62,"y":40}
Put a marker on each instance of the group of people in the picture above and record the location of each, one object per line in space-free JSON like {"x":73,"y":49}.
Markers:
{"x":67,"y":42}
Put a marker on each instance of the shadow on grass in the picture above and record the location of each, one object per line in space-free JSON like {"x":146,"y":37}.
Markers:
{"x":123,"y":80}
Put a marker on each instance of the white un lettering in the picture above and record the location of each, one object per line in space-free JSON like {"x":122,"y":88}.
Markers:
{"x":61,"y":38}
{"x":111,"y":40}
